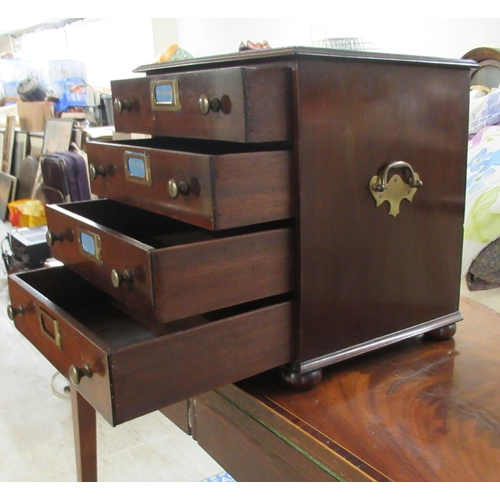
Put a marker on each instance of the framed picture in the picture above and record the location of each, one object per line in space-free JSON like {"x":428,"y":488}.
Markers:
{"x":21,"y":145}
{"x":36,"y":144}
{"x":8,"y":184}
{"x":8,"y":153}
{"x":57,"y":136}
{"x":2,"y":147}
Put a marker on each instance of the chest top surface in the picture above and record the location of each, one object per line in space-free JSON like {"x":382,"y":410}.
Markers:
{"x":296,"y":53}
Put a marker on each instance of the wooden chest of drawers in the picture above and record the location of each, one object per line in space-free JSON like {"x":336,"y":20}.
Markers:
{"x":251,"y":231}
{"x":242,"y":104}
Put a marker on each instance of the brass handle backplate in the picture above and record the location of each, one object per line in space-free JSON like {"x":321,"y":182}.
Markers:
{"x":395,"y":190}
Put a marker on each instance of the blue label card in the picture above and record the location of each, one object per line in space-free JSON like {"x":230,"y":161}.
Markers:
{"x":88,"y":244}
{"x":136,"y":167}
{"x":164,"y":93}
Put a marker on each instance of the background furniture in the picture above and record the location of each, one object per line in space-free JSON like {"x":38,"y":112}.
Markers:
{"x":414,"y":411}
{"x":481,"y":259}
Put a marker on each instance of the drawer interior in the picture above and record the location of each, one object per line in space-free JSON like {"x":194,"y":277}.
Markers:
{"x":105,"y":318}
{"x":204,"y":147}
{"x":152,"y":229}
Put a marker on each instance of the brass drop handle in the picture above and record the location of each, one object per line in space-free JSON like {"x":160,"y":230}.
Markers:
{"x":119,"y":105}
{"x":176,"y":188}
{"x":396,"y":189}
{"x":51,"y":237}
{"x":12,"y":312}
{"x":96,"y":171}
{"x":381,"y":185}
{"x":118,"y":278}
{"x":76,"y":374}
{"x":206,"y":104}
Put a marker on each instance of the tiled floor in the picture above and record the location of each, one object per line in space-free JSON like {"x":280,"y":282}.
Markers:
{"x":36,"y":435}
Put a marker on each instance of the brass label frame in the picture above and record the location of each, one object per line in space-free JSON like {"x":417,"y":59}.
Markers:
{"x":96,"y":256}
{"x":174,"y":104}
{"x":146,"y":179}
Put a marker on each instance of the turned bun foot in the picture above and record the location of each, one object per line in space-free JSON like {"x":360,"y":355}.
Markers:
{"x":301,"y":381}
{"x":444,"y":333}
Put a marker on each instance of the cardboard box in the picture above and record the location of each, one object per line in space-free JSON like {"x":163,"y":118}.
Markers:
{"x":34,"y":115}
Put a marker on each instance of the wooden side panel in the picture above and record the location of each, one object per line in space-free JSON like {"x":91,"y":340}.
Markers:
{"x":205,"y":276}
{"x":365,"y":273}
{"x":253,"y":188}
{"x":174,"y":367}
{"x":140,"y":117}
{"x":255,"y":453}
{"x":269,"y":104}
{"x":178,"y":413}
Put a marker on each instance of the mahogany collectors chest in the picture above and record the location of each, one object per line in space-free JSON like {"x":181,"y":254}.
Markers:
{"x":293,"y":207}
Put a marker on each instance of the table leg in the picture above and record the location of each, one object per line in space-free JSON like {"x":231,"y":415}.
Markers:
{"x":84,"y":430}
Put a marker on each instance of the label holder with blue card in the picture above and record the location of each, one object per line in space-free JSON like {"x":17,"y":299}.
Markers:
{"x":165,"y":95}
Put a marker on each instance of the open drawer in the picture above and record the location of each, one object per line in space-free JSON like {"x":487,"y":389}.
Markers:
{"x":162,"y":269}
{"x":210,"y":185}
{"x":242,"y":104}
{"x":126,"y":368}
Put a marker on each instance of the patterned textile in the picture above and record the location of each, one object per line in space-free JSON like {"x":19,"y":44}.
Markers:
{"x":484,"y":111}
{"x":484,"y":272}
{"x":482,"y":208}
{"x":223,"y":477}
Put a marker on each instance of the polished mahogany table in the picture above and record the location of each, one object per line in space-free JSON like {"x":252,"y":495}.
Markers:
{"x":418,"y":410}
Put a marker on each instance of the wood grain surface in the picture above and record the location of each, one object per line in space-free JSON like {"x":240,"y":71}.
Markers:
{"x":415,"y":411}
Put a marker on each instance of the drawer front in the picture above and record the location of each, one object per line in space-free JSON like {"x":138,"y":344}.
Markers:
{"x":186,"y":273}
{"x":233,"y":104}
{"x":135,"y":369}
{"x":61,"y":339}
{"x":219,"y":191}
{"x":102,"y":257}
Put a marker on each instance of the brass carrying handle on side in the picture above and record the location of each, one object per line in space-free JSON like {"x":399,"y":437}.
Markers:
{"x":395,"y":190}
{"x":414,"y":181}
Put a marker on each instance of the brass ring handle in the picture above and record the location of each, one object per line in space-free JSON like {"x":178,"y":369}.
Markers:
{"x":52,"y":237}
{"x":118,"y":278}
{"x":206,"y":104}
{"x":96,"y":171}
{"x":12,"y":312}
{"x":176,"y":188}
{"x":76,"y":374}
{"x":381,"y":185}
{"x":119,"y":105}
{"x":396,"y":189}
